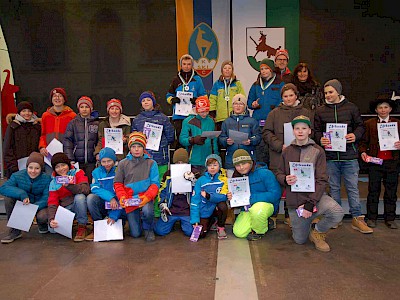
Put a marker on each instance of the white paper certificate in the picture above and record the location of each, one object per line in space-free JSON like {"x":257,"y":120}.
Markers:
{"x":106,"y":232}
{"x":22,"y":216}
{"x":153,"y":133}
{"x":65,"y":219}
{"x":178,"y":183}
{"x":185,"y":107}
{"x":114,"y":139}
{"x":288,"y":135}
{"x":210,"y":134}
{"x":338,"y":132}
{"x":305,"y":177}
{"x":53,"y":147}
{"x":22,"y":163}
{"x":388,"y":134}
{"x":238,"y":137}
{"x":240,"y":189}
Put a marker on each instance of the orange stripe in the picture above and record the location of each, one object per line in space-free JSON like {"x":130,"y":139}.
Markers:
{"x":184,"y":26}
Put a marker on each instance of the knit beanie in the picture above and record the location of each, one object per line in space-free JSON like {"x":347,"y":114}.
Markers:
{"x":24,"y":105}
{"x":216,"y":157}
{"x":107,"y":153}
{"x":241,"y":156}
{"x":267,"y":62}
{"x":85,"y":100}
{"x":202,"y":104}
{"x":240,"y":98}
{"x":180,"y":155}
{"x":301,"y":119}
{"x":138,"y":138}
{"x":184,"y":57}
{"x":335,"y":84}
{"x":35,"y":157}
{"x":282,"y":52}
{"x":148,"y":94}
{"x":287,"y":87}
{"x":59,"y":158}
{"x":114,"y":102}
{"x":58,"y":90}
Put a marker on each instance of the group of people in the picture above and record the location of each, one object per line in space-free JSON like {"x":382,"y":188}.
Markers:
{"x":105,"y":182}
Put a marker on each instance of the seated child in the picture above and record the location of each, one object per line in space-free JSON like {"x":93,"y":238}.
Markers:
{"x":70,"y":196}
{"x":29,"y":186}
{"x":137,"y":177}
{"x":265,"y":194}
{"x":209,"y":198}
{"x":310,"y":205}
{"x":102,"y":188}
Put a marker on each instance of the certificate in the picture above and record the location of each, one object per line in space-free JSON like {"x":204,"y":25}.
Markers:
{"x":210,"y":134}
{"x":288,"y":135}
{"x":178,"y":183}
{"x":107,"y":232}
{"x":237,"y":136}
{"x":185,"y":107}
{"x":22,"y":163}
{"x":55,"y":146}
{"x":240,"y":189}
{"x":114,"y":139}
{"x":153,"y":133}
{"x":388,"y":134}
{"x":338,"y":132}
{"x":65,"y":219}
{"x":22,"y":216}
{"x":305,"y":177}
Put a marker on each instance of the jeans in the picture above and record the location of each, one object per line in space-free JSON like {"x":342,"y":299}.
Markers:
{"x":332,"y":214}
{"x":141,"y":217}
{"x":163,"y":228}
{"x":96,"y":207}
{"x":349,"y":170}
{"x":79,"y":207}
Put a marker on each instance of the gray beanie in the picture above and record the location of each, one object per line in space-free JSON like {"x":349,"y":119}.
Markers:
{"x":335,"y":84}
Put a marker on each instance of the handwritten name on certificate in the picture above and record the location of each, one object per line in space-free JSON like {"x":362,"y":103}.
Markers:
{"x":113,"y":139}
{"x":338,"y":132}
{"x":153,"y":133}
{"x":240,"y":189}
{"x":305,"y":177}
{"x":388,"y":134}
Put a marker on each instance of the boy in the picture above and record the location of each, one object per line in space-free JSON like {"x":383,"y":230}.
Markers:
{"x":312,"y":204}
{"x":337,"y":109}
{"x":253,"y":221}
{"x":369,"y":146}
{"x":137,"y":177}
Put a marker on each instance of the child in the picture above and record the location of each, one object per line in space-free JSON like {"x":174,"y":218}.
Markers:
{"x":338,"y":109}
{"x":21,"y":138}
{"x":369,"y":146}
{"x":137,"y":177}
{"x":70,"y":196}
{"x":102,"y":188}
{"x":193,"y":126}
{"x":81,"y":137}
{"x":209,"y":198}
{"x":29,"y":186}
{"x":188,"y":81}
{"x":175,"y":206}
{"x":313,"y":204}
{"x":222,"y":93}
{"x":252,"y":223}
{"x":151,"y":113}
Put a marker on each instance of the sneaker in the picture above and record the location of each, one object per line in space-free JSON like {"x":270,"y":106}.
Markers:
{"x":81,"y":233}
{"x":318,"y":239}
{"x":12,"y":236}
{"x":359,"y":224}
{"x":391,"y":224}
{"x":43,"y":228}
{"x":371,"y":223}
{"x":272,"y":226}
{"x":337,"y":225}
{"x":149,"y":236}
{"x":287,"y":222}
{"x":90,"y":237}
{"x":252,"y":236}
{"x":221,"y":233}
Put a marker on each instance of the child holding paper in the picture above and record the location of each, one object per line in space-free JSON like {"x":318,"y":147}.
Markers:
{"x":102,"y":188}
{"x":71,"y":196}
{"x":253,"y":221}
{"x":137,"y":178}
{"x":338,"y":110}
{"x":369,"y":146}
{"x":29,"y":186}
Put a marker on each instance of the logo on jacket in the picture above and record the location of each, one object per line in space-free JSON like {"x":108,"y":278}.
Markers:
{"x":93,"y":128}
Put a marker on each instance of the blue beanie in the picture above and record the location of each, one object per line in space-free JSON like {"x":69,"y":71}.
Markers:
{"x":107,"y":153}
{"x":216,"y":157}
{"x":148,"y":94}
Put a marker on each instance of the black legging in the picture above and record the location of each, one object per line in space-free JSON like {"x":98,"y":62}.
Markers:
{"x":221,"y":212}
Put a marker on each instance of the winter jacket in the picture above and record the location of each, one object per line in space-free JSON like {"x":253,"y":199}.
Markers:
{"x":263,"y":185}
{"x":20,"y":140}
{"x":273,"y":133}
{"x":20,"y":186}
{"x":54,"y":126}
{"x":344,"y":112}
{"x":125,"y":124}
{"x":136,"y":177}
{"x":308,"y":153}
{"x":168,"y":134}
{"x":192,"y":126}
{"x":311,"y":94}
{"x":80,"y":139}
{"x":218,"y":103}
{"x":216,"y":188}
{"x":195,"y":86}
{"x":242,"y":123}
{"x":103,"y":186}
{"x":64,"y":195}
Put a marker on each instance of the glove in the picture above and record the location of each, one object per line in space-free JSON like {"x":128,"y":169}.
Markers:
{"x":175,"y":100}
{"x":193,"y":100}
{"x":164,"y":208}
{"x":198,"y":140}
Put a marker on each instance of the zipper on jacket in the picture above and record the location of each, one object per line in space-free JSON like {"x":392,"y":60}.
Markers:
{"x":336,"y":119}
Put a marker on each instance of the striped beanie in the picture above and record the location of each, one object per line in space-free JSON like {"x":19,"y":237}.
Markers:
{"x":85,"y":100}
{"x":114,"y":102}
{"x":241,"y":156}
{"x":138,"y":138}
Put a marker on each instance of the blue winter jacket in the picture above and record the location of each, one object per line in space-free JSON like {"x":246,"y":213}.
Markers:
{"x":21,"y":186}
{"x":80,"y":139}
{"x":216,"y":186}
{"x":168,"y":134}
{"x":242,"y":123}
{"x":103,"y":186}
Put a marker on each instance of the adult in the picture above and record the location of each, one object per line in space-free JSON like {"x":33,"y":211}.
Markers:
{"x":281,"y":62}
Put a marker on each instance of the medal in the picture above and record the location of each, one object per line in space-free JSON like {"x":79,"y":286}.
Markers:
{"x":227,"y":98}
{"x":186,"y":88}
{"x":185,"y":84}
{"x":227,"y":89}
{"x":262,"y":93}
{"x":263,"y":88}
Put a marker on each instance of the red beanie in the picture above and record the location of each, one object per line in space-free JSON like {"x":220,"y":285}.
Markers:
{"x":202,"y":104}
{"x":114,"y":102}
{"x":85,"y":100}
{"x":58,"y":90}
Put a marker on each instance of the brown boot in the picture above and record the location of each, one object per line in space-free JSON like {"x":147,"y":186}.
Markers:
{"x":230,"y":218}
{"x":359,"y":224}
{"x":81,"y":233}
{"x":318,"y":239}
{"x":90,"y":237}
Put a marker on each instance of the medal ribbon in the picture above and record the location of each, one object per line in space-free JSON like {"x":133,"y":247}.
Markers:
{"x":183,"y":81}
{"x":268,"y":84}
{"x":227,"y":87}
